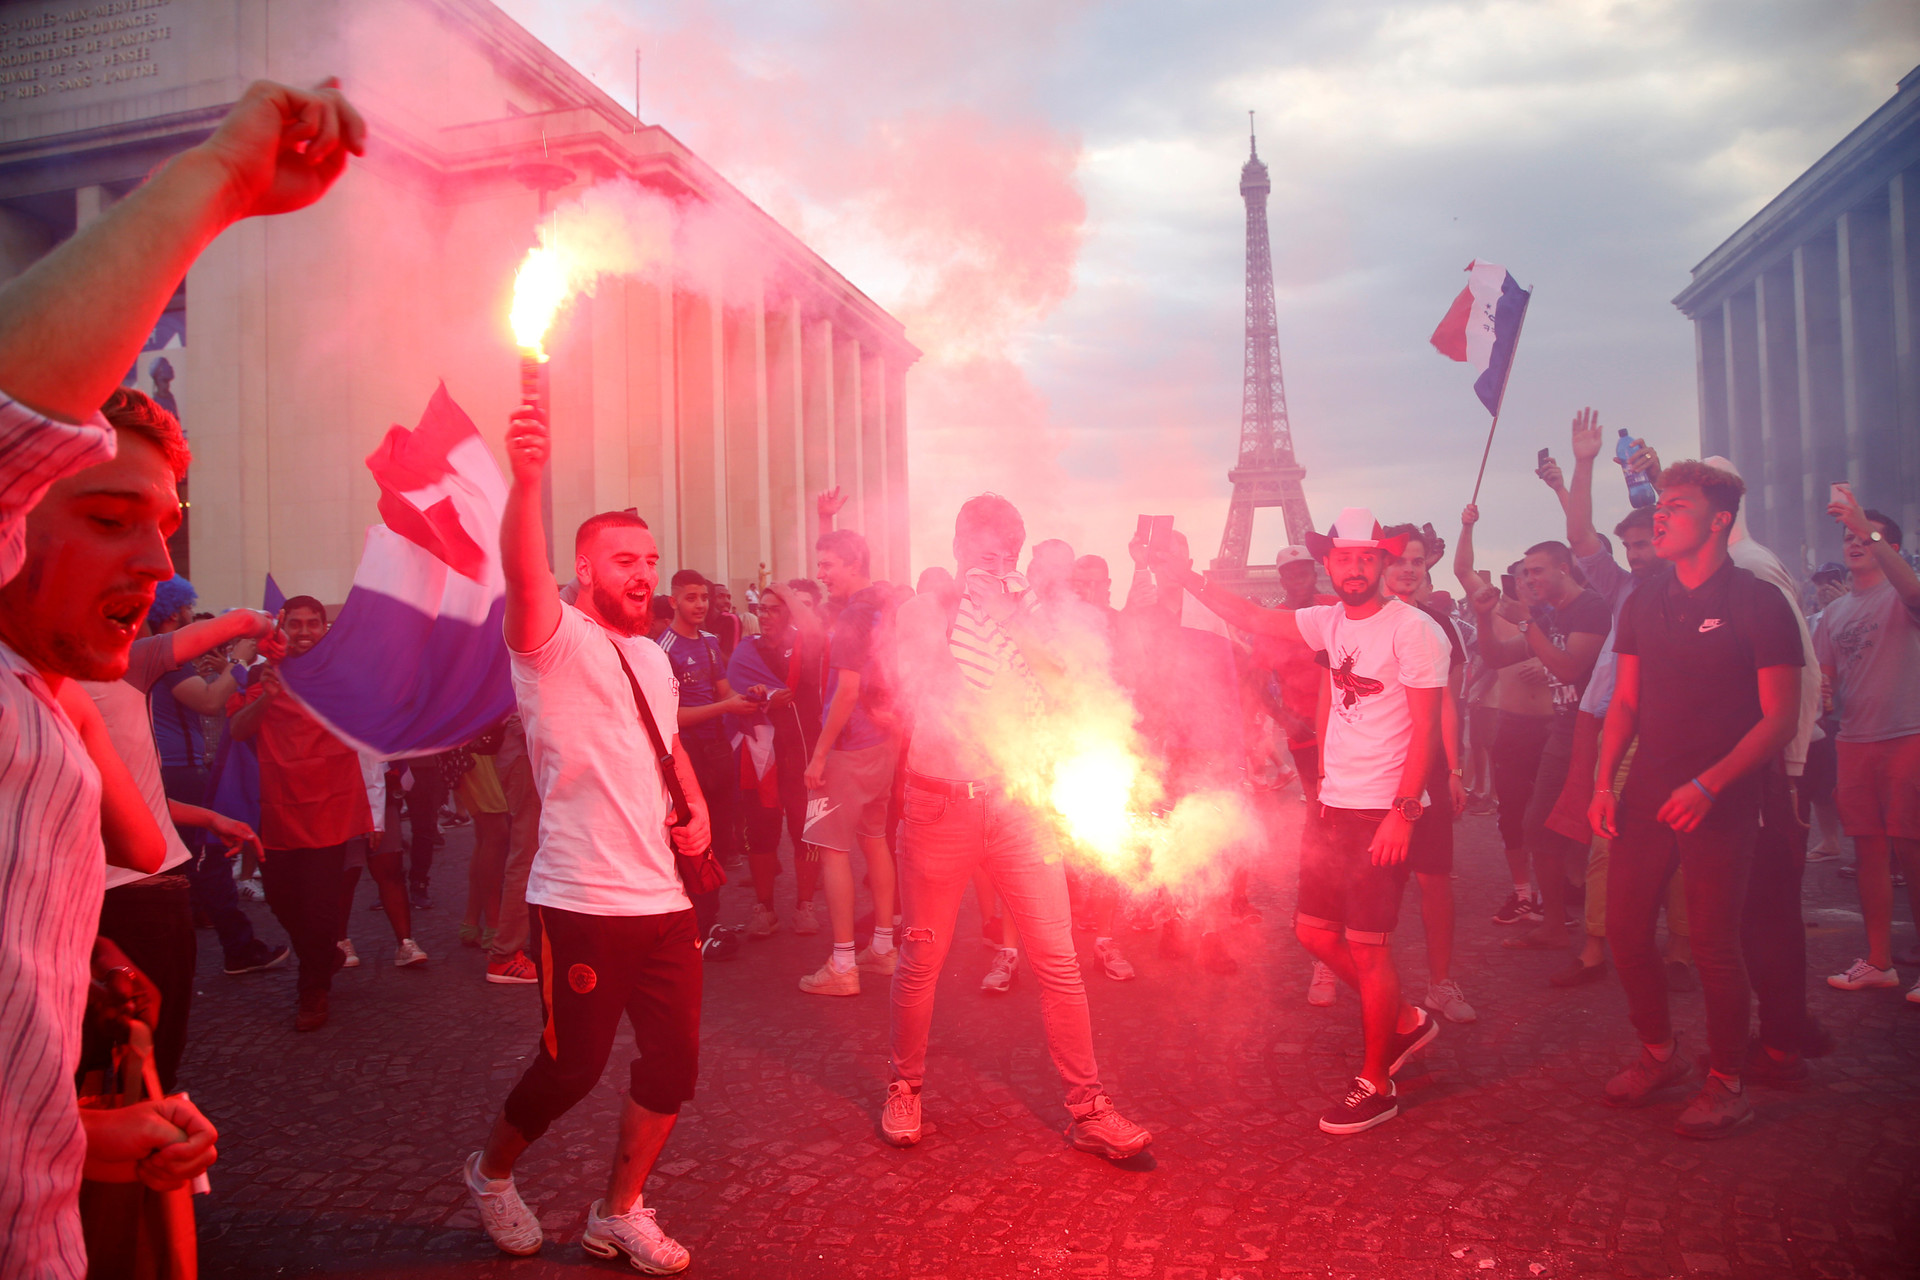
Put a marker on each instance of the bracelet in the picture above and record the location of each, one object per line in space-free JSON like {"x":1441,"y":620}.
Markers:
{"x":1603,"y":791}
{"x":1711,"y":798}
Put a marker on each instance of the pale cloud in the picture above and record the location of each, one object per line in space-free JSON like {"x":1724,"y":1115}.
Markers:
{"x":1047,"y":194}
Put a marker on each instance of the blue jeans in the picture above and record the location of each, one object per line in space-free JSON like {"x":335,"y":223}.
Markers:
{"x":943,"y":837}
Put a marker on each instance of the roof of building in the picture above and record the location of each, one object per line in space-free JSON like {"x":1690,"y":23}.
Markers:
{"x":1885,"y":143}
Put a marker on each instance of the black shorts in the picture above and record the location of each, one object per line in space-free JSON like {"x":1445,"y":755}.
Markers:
{"x":1340,"y":887}
{"x":592,"y":970}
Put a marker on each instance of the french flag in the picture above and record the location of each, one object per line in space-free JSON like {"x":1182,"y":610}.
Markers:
{"x":1482,"y":327}
{"x":416,"y":662}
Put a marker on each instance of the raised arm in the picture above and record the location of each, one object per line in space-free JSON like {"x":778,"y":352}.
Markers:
{"x":828,"y":504}
{"x":1577,"y":498}
{"x":1885,"y":555}
{"x":533,"y":597}
{"x":1463,"y":571}
{"x":197,"y":693}
{"x":72,"y":323}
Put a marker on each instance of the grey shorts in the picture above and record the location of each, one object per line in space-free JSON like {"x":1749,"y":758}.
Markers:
{"x":854,"y":800}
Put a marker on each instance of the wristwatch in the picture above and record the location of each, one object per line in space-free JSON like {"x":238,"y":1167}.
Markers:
{"x":1409,"y":807}
{"x":1875,"y":535}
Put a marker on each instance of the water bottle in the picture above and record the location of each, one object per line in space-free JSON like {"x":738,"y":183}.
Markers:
{"x":1639,"y":492}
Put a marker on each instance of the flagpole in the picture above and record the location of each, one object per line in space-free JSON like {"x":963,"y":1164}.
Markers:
{"x":1501,"y":403}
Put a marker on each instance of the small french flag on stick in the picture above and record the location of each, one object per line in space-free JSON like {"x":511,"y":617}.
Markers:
{"x":1482,"y":328}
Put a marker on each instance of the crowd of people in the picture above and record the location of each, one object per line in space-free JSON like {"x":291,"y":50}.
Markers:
{"x":1658,"y":733}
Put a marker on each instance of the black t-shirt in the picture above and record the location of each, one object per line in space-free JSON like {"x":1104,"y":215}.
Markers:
{"x":1585,"y":612}
{"x":1699,"y":653}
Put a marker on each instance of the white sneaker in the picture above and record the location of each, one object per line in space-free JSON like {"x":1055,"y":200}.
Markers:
{"x":1447,"y":1000}
{"x":508,"y":1222}
{"x":764,"y":923}
{"x":636,"y":1234}
{"x":408,"y":953}
{"x":1112,"y":963}
{"x":881,"y":963}
{"x":828,"y":981}
{"x":1863,"y":976}
{"x":250,"y":891}
{"x":805,"y":922}
{"x":346,"y":949}
{"x":1320,"y":990}
{"x":900,"y":1115}
{"x":1913,"y":996}
{"x":999,"y":979}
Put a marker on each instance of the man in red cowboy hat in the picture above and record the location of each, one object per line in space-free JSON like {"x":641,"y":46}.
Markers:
{"x":1387,"y":664}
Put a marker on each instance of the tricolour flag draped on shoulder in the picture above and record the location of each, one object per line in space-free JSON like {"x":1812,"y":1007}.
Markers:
{"x":1482,"y":327}
{"x":417,"y":660}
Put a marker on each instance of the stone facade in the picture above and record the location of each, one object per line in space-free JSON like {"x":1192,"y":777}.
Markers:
{"x":1804,"y":328}
{"x":716,"y":401}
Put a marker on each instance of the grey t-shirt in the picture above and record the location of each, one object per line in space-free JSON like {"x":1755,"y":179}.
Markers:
{"x":1872,"y":642}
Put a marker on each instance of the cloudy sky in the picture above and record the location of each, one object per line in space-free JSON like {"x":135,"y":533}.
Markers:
{"x":1047,"y":193}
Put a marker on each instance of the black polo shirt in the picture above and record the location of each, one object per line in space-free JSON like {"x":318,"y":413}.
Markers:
{"x":1700,"y":653}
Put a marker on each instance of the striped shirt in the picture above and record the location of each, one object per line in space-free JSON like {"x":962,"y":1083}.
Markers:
{"x":51,"y":879}
{"x":986,"y":653}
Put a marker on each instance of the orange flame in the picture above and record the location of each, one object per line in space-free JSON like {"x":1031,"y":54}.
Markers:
{"x":540,"y":288}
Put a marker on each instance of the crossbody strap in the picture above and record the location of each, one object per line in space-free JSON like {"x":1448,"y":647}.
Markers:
{"x":682,"y":812}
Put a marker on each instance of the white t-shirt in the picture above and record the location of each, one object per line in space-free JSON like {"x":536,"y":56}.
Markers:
{"x":123,"y":705}
{"x":1374,"y":662}
{"x":604,"y":810}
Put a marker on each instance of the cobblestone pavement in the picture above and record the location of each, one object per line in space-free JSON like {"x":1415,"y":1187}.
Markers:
{"x":340,"y":1149}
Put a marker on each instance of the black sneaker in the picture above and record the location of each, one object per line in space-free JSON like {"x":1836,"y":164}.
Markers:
{"x":720,"y":945}
{"x":259,"y":956}
{"x":1761,"y":1067}
{"x":1362,"y":1108}
{"x":419,"y":899}
{"x":1517,"y":910}
{"x":1407,"y":1043}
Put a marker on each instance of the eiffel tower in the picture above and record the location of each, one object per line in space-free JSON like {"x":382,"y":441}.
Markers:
{"x":1266,"y":474}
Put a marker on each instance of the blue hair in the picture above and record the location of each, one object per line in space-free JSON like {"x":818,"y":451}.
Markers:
{"x":169,"y":598}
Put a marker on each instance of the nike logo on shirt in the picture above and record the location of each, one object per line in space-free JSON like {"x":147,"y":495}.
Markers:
{"x":1710,"y":624}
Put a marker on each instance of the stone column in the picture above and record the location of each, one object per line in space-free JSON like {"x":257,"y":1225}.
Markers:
{"x":747,"y":490}
{"x":818,"y":418}
{"x":611,"y":483}
{"x":1779,"y":482}
{"x":786,"y":440}
{"x":1866,"y":350}
{"x":701,"y":415}
{"x":653,"y":455}
{"x":1743,"y":386}
{"x":876,"y":503}
{"x":223,"y":393}
{"x":1710,"y":356}
{"x":847,"y":404}
{"x":1823,"y":451}
{"x":1903,"y":224}
{"x":899,"y":553}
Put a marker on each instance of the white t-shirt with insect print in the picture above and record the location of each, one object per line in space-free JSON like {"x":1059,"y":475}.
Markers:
{"x":1372,"y":663}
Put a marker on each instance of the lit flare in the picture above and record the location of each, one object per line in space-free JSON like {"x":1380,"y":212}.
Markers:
{"x":540,"y":288}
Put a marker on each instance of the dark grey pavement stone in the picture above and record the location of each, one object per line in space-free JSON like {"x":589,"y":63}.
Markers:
{"x":340,"y":1150}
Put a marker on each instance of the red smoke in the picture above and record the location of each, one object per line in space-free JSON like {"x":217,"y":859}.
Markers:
{"x":897,"y":142}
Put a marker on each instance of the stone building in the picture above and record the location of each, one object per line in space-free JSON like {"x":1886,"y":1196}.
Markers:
{"x":716,"y":403}
{"x":1804,"y":331}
